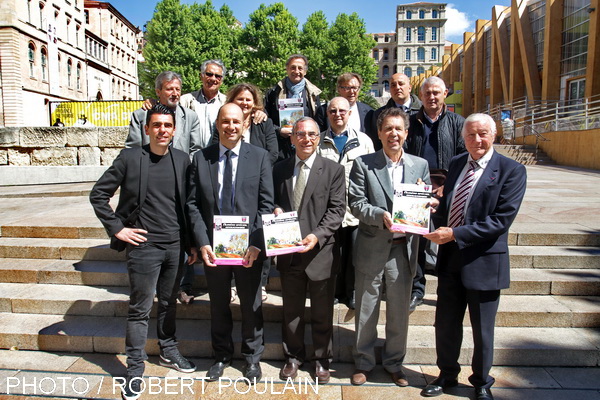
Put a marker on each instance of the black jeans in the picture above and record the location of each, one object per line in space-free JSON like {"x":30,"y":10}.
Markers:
{"x":151,"y":267}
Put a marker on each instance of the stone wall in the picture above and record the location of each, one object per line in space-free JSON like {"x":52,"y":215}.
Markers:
{"x":53,"y":146}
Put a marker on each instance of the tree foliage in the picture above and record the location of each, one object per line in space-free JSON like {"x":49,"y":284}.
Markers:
{"x":314,"y":43}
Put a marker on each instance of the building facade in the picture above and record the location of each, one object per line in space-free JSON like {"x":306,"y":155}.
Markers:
{"x":54,"y":50}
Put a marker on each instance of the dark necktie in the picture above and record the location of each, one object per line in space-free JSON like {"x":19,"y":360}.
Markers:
{"x":227,"y":192}
{"x":460,"y":198}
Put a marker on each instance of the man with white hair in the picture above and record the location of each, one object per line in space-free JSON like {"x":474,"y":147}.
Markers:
{"x":482,"y":196}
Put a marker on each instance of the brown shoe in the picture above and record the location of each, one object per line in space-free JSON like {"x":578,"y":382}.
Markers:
{"x":359,"y":377}
{"x":185,"y":298}
{"x":399,"y":378}
{"x":322,"y":374}
{"x":289,"y":370}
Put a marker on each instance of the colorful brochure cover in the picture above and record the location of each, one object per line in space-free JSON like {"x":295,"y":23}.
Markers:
{"x":230,"y":236}
{"x":290,"y":111}
{"x":411,"y":211}
{"x":282,"y":233}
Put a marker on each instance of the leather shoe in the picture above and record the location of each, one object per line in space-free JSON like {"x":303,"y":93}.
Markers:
{"x":252,"y":372}
{"x":359,"y":377}
{"x":483,"y":394}
{"x":185,"y":298}
{"x":322,"y":374}
{"x":437,"y":386}
{"x":216,"y":370}
{"x":399,"y":378}
{"x":289,"y":370}
{"x":415,"y":301}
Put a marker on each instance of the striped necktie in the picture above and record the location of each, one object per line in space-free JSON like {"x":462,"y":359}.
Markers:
{"x":461,"y":196}
{"x":300,"y":185}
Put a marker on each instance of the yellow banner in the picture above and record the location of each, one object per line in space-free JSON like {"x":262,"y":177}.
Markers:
{"x":93,"y":113}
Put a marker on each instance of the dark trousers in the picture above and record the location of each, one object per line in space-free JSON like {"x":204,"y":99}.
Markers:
{"x":294,"y":284}
{"x":247,"y":280}
{"x":344,"y":287}
{"x":453,"y":298}
{"x":151,"y":267}
{"x":426,"y":261}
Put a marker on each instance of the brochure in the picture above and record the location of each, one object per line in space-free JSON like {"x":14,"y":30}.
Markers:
{"x":230,"y":238}
{"x":290,"y":111}
{"x":282,"y":233}
{"x":411,"y":212}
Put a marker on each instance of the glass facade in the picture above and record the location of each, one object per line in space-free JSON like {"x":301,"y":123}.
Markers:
{"x":537,"y":17}
{"x":576,"y":24}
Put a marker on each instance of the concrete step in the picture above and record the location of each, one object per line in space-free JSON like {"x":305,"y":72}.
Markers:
{"x":515,"y":310}
{"x":61,"y":249}
{"x":513,"y":346}
{"x":551,"y":257}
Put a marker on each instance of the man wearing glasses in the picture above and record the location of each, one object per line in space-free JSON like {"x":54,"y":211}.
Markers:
{"x":316,"y":188}
{"x":348,"y":86}
{"x":343,"y":144}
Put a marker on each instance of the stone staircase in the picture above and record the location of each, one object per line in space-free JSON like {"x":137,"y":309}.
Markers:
{"x":525,"y":154}
{"x":63,"y":290}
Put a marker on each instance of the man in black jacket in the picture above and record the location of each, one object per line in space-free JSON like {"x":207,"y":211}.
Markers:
{"x":150,"y":223}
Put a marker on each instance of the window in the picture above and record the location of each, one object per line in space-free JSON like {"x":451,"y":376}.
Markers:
{"x":433,"y":33}
{"x":386,"y":71}
{"x":408,"y":71}
{"x":386,"y":39}
{"x":420,"y":54}
{"x":69,"y":72}
{"x":420,"y":70}
{"x":77,"y":35}
{"x":408,"y":35}
{"x":409,"y":14}
{"x":421,"y":14}
{"x":407,"y":55}
{"x":78,"y":76}
{"x":31,"y":56}
{"x":87,"y":16}
{"x":421,"y":34}
{"x":385,"y":55}
{"x":386,"y":86}
{"x":434,"y":53}
{"x":376,"y":37}
{"x":376,"y":54}
{"x":41,"y":15}
{"x":29,"y":11}
{"x":434,"y":14}
{"x":44,"y":64}
{"x":68,"y":29}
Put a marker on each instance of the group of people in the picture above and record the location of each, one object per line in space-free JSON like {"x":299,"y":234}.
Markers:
{"x":193,"y":157}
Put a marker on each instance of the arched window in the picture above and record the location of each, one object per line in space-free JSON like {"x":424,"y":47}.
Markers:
{"x":376,"y":54}
{"x":409,"y":14}
{"x":69,"y":72}
{"x":386,"y":86}
{"x":408,"y":71}
{"x":407,"y":55}
{"x":434,"y":33}
{"x":421,"y":34}
{"x":420,"y":70}
{"x":420,"y":54}
{"x":434,"y":53}
{"x":386,"y":71}
{"x":31,"y":57}
{"x":421,"y":14}
{"x":41,"y":15}
{"x":408,"y":35}
{"x":385,"y":55}
{"x":44,"y":64}
{"x":78,"y":76}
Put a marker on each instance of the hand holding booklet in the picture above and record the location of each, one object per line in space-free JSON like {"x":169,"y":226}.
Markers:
{"x":411,"y":212}
{"x":230,"y":238}
{"x":282,"y":233}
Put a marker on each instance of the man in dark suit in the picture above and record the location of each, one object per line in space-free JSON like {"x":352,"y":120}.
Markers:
{"x":482,"y":195}
{"x":316,"y":188}
{"x":150,"y":222}
{"x":232,"y":178}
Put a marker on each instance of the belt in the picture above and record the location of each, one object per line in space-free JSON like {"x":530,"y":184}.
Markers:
{"x":400,"y":240}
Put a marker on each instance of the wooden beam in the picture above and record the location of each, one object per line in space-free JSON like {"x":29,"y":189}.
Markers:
{"x":479,"y":54}
{"x":467,"y":77}
{"x":592,"y":78}
{"x":524,"y":35}
{"x":552,"y":50}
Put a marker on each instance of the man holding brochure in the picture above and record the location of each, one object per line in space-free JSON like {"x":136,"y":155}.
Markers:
{"x":315,"y":187}
{"x":381,"y":252}
{"x":232,"y":178}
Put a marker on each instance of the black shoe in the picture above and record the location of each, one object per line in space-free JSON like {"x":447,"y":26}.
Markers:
{"x":133,"y":388}
{"x":437,"y":386}
{"x":176,"y":361}
{"x":415,"y":301}
{"x":483,"y":394}
{"x":252,"y":372}
{"x":216,"y":370}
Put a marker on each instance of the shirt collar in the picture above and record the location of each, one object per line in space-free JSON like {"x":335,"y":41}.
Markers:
{"x":345,"y":133}
{"x":390,"y":163}
{"x":484,"y":160}
{"x":235,"y":150}
{"x":309,"y":161}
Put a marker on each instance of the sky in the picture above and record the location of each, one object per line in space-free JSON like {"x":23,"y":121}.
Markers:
{"x":377,"y":14}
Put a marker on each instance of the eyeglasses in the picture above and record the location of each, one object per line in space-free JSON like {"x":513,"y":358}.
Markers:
{"x":304,"y":135}
{"x":210,"y":75}
{"x":333,"y":111}
{"x":348,"y":88}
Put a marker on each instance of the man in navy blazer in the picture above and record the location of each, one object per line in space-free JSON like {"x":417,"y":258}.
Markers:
{"x":473,"y":261}
{"x":252,"y":196}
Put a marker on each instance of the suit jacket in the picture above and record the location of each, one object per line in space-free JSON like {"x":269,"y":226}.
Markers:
{"x":415,"y":106}
{"x":187,"y":130}
{"x":262,"y":135}
{"x":129,"y":171}
{"x":321,"y":213}
{"x":253,"y":192}
{"x":371,"y":194}
{"x":323,"y":122}
{"x":483,"y":239}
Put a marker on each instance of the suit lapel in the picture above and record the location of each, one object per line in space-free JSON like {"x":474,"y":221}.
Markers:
{"x":313,"y":179}
{"x":180,"y":125}
{"x":410,"y":176}
{"x":240,"y":174}
{"x":383,"y":176}
{"x":213,"y":168}
{"x":144,"y":165}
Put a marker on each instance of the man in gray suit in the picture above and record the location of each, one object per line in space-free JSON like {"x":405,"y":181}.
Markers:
{"x":380,"y":252}
{"x":168,"y":91}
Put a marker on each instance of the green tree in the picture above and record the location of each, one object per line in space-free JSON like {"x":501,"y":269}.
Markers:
{"x":268,"y":38}
{"x":314,"y":41}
